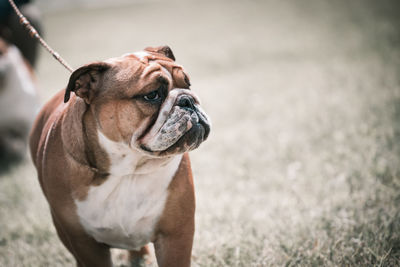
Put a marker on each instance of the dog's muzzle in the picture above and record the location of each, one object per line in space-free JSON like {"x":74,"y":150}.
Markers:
{"x":198,"y":118}
{"x":185,"y":127}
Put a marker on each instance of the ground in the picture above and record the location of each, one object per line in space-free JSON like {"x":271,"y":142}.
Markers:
{"x":302,"y":167}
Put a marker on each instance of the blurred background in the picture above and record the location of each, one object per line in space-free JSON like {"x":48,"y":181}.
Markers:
{"x":302,"y":166}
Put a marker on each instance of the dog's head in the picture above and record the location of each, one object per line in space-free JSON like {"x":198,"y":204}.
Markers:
{"x":144,"y":100}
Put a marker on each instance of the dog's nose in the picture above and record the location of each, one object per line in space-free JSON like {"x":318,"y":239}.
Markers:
{"x":185,"y":101}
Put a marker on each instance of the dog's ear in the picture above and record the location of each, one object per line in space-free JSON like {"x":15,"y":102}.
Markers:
{"x":164,"y":50}
{"x":84,"y":81}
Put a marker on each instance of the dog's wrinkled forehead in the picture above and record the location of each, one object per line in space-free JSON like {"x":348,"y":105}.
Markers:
{"x":149,"y":61}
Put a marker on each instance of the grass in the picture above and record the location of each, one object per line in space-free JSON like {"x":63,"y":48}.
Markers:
{"x":303,"y":164}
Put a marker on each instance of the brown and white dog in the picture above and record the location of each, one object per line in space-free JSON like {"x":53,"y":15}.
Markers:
{"x":112,"y":161}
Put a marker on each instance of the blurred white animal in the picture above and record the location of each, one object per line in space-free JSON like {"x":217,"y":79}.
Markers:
{"x":18,"y":102}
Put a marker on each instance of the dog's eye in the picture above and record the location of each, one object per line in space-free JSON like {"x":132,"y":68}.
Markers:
{"x":152,"y":96}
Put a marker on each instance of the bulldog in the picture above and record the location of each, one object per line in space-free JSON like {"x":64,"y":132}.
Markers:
{"x":112,"y":158}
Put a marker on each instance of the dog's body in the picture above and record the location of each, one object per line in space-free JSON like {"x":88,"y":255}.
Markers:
{"x":113,"y":162}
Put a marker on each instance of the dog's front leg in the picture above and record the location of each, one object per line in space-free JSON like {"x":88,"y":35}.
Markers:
{"x":86,"y":250}
{"x":174,"y":250}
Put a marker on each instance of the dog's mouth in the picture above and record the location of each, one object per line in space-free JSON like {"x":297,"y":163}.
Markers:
{"x":193,"y":137}
{"x":184,"y":129}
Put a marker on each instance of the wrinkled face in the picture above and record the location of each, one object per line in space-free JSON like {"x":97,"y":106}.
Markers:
{"x":144,"y":100}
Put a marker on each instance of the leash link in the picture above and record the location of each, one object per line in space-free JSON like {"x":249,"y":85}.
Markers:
{"x":34,"y":34}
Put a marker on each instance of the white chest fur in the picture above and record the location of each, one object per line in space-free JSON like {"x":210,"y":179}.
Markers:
{"x":124,"y":210}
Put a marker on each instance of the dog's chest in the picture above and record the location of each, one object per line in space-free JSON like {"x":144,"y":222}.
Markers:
{"x":124,"y":210}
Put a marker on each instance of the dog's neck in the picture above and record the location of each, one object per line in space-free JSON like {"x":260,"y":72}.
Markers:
{"x":100,"y":154}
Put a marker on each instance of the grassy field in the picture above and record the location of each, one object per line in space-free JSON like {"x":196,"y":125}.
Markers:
{"x":302,"y":167}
